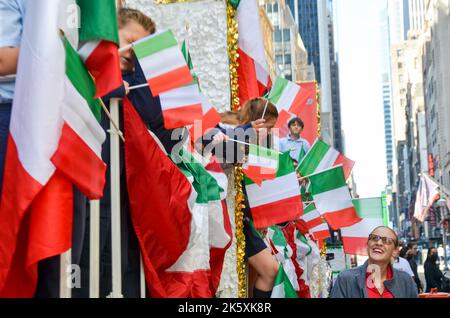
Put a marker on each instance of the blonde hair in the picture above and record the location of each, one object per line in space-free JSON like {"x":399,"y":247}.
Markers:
{"x":125,"y":15}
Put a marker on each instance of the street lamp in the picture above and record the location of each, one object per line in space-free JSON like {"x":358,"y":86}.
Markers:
{"x":441,"y":203}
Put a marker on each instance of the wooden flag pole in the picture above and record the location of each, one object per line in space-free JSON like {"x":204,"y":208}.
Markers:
{"x":137,"y":86}
{"x":113,"y":122}
{"x":116,"y":248}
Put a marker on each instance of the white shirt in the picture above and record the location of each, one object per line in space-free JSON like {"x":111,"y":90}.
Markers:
{"x":403,"y":265}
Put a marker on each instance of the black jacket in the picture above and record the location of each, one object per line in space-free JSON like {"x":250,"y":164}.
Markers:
{"x":413,"y":265}
{"x":433,"y":275}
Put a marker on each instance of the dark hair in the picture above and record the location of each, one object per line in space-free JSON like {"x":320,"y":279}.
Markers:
{"x":253,"y":110}
{"x":125,"y":15}
{"x":396,"y":243}
{"x":296,"y":120}
{"x":403,"y":251}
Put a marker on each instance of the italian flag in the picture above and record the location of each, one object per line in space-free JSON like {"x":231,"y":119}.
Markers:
{"x":253,"y":70}
{"x":262,"y":164}
{"x":307,"y":110}
{"x":317,"y":226}
{"x":181,"y":106}
{"x":78,"y":155}
{"x":332,"y":198}
{"x":191,"y":275}
{"x":322,"y":156}
{"x":210,"y":117}
{"x":161,"y":203}
{"x":355,"y":237}
{"x":283,"y":253}
{"x":162,"y":62}
{"x":282,"y":286}
{"x":37,"y":196}
{"x":278,"y":200}
{"x":287,"y":96}
{"x":99,"y":37}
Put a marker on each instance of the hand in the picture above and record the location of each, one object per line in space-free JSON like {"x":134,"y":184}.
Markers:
{"x":258,"y":124}
{"x":219,"y":138}
{"x":127,"y":87}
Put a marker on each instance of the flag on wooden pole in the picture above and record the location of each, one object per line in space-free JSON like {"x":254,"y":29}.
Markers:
{"x":322,"y":156}
{"x":162,"y":62}
{"x":332,"y":198}
{"x":278,"y":200}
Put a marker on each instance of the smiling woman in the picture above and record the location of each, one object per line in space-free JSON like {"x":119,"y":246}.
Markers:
{"x":376,"y":278}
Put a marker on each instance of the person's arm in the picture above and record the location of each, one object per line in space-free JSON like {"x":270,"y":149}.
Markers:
{"x":8,"y":60}
{"x":10,"y":36}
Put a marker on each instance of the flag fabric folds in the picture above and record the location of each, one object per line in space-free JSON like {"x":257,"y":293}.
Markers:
{"x":282,"y":286}
{"x":262,"y":164}
{"x":287,"y":96}
{"x":355,"y":237}
{"x":79,"y":151}
{"x":278,"y":200}
{"x":44,"y":142}
{"x":99,"y":36}
{"x":427,"y":194}
{"x":317,"y":226}
{"x":161,"y":202}
{"x":253,"y":70}
{"x":322,"y":156}
{"x":332,"y":198}
{"x":181,"y":106}
{"x":162,"y":62}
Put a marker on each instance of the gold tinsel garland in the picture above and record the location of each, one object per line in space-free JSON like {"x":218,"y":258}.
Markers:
{"x":233,"y":43}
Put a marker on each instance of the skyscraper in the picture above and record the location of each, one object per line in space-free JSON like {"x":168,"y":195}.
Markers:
{"x":306,"y":16}
{"x":316,"y":27}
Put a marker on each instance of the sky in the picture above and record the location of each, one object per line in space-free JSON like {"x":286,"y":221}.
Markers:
{"x":359,"y":36}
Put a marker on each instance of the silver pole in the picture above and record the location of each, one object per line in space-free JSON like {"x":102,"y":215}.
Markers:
{"x":115,"y":204}
{"x":65,"y":281}
{"x":94,"y":250}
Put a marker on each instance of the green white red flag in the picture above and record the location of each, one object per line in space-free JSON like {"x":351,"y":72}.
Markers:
{"x":317,"y":226}
{"x":282,"y":286}
{"x":49,"y":149}
{"x":287,"y":96}
{"x":181,"y":106}
{"x":332,"y":198}
{"x":278,"y":200}
{"x":99,"y":38}
{"x":322,"y":156}
{"x":253,"y":70}
{"x":262,"y":164}
{"x":210,"y":117}
{"x":355,"y":237}
{"x":162,"y":62}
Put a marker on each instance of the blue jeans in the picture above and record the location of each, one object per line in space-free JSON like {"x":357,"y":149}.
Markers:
{"x":5,"y":118}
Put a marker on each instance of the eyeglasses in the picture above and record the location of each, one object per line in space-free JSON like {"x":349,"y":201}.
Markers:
{"x":385,"y":240}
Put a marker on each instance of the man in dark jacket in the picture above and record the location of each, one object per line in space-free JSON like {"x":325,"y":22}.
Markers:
{"x":376,"y":278}
{"x":433,"y":274}
{"x":412,"y":250}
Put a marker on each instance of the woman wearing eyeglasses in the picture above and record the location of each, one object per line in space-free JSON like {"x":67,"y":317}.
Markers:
{"x":376,"y":278}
